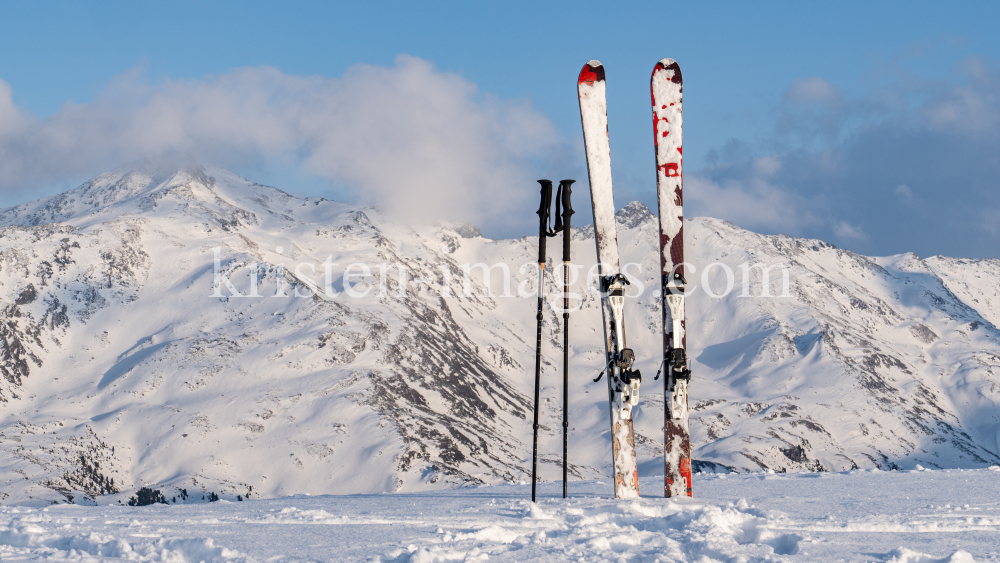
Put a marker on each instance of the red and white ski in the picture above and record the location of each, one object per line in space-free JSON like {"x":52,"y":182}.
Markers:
{"x":666,"y":88}
{"x":623,"y":382}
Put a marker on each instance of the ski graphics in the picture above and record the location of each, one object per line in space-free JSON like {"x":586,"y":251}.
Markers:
{"x":666,"y":88}
{"x":623,"y":382}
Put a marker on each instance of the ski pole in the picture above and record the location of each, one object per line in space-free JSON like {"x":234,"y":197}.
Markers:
{"x":543,"y":219}
{"x":565,"y":189}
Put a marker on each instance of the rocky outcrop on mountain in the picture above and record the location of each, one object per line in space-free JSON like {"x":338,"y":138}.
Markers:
{"x":189,"y":329}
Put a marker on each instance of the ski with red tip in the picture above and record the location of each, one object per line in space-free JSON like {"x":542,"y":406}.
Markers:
{"x":623,"y":382}
{"x":667,"y":88}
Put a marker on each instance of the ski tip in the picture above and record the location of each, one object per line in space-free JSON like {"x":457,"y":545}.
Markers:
{"x":669,"y":64}
{"x":592,"y":72}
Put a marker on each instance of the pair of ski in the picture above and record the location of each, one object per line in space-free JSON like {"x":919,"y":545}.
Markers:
{"x":666,"y":89}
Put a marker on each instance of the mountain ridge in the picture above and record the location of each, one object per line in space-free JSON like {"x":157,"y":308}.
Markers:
{"x":127,"y":361}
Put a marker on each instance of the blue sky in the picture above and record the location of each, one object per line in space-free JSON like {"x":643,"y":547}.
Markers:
{"x":874,"y":127}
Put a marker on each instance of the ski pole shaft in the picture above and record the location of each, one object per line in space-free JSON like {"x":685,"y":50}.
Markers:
{"x":565,"y":188}
{"x":543,"y":219}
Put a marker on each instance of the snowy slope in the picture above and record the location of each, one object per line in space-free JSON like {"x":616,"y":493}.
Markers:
{"x":949,"y":516}
{"x":122,"y":368}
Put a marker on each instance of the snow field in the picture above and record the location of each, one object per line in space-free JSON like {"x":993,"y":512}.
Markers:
{"x":920,"y":516}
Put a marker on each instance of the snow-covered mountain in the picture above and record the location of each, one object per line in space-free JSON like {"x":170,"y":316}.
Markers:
{"x":128,"y":362}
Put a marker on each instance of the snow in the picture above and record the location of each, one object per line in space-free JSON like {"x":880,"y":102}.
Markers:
{"x":150,"y":381}
{"x":919,"y":516}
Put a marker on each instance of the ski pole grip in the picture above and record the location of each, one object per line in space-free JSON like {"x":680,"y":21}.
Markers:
{"x":566,"y":186}
{"x":543,"y":217}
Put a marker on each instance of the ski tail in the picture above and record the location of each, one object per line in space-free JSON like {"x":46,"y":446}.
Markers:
{"x":666,"y":92}
{"x":594,"y":117}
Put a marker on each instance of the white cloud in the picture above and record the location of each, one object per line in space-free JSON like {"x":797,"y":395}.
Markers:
{"x":990,"y":221}
{"x":752,"y":204}
{"x":969,"y":106}
{"x":966,"y":110}
{"x":417,"y":141}
{"x":811,"y":90}
{"x":845,"y":231}
{"x":11,"y":118}
{"x":767,"y":166}
{"x":860,"y":164}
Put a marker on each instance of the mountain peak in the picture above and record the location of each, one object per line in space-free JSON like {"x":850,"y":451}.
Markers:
{"x":633,"y":215}
{"x":126,"y":183}
{"x":157,"y":168}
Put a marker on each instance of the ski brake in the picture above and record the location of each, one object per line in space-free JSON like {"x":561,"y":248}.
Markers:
{"x":674,"y":290}
{"x":625,"y":380}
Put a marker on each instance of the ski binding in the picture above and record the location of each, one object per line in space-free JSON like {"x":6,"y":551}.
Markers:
{"x":674,"y":290}
{"x":625,"y":380}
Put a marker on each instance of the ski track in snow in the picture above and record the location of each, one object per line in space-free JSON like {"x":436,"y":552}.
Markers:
{"x":920,"y":516}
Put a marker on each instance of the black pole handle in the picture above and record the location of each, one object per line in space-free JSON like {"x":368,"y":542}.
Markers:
{"x":566,"y":189}
{"x":543,"y":217}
